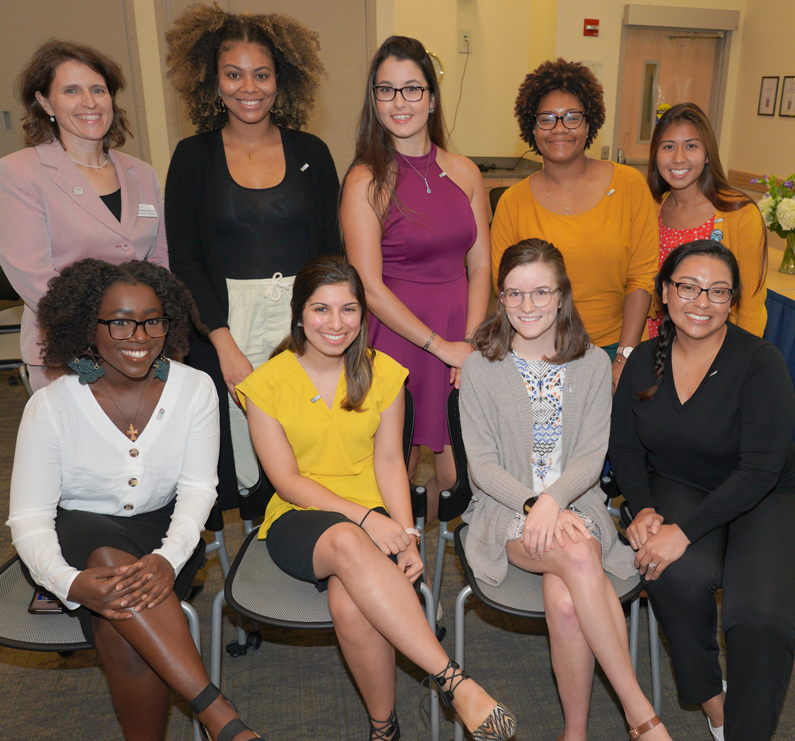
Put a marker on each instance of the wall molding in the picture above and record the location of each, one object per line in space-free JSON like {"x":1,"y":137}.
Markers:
{"x":741,"y":179}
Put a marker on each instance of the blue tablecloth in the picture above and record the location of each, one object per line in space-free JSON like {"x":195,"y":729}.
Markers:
{"x":780,"y":328}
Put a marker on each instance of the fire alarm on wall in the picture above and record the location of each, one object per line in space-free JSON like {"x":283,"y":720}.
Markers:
{"x":591,"y":27}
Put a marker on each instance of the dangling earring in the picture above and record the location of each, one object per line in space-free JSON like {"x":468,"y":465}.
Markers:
{"x":274,"y":108}
{"x":86,"y":367}
{"x":161,"y":367}
{"x":52,"y":118}
{"x":221,"y":103}
{"x":431,"y":111}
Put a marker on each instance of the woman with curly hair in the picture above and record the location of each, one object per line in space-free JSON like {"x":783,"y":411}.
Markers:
{"x":600,"y":215}
{"x":114,"y":477}
{"x":696,"y":202}
{"x":251,"y":197}
{"x":415,"y":226}
{"x":701,"y":445}
{"x":68,"y":194}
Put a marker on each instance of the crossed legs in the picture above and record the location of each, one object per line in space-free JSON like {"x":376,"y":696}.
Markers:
{"x":375,"y":611}
{"x":586,"y":621}
{"x":145,"y":656}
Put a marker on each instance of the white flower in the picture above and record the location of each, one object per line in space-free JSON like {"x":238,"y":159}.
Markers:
{"x":785,"y":213}
{"x":766,"y":207}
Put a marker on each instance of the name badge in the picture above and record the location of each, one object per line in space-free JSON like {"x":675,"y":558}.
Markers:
{"x":147,"y":210}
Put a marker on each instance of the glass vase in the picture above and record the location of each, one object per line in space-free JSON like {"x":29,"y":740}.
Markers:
{"x":788,"y":263}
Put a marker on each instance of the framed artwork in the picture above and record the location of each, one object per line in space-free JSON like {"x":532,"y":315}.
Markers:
{"x":787,"y":98}
{"x":767,"y":96}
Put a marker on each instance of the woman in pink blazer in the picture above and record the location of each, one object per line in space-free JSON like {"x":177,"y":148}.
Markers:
{"x":68,"y":195}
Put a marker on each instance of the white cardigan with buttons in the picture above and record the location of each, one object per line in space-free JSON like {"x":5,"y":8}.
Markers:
{"x":69,"y":454}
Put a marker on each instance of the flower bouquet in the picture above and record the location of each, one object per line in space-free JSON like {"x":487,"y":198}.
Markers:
{"x":778,"y":211}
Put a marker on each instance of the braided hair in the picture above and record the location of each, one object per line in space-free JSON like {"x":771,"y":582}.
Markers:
{"x":667,"y":332}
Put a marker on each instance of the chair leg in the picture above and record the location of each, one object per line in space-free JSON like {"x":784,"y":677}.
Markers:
{"x":634,"y":620}
{"x":419,"y":523}
{"x":444,"y":536}
{"x":463,"y":595}
{"x":654,"y":649}
{"x":23,"y":375}
{"x":215,"y":643}
{"x":195,"y":631}
{"x":219,"y":544}
{"x":430,"y":615}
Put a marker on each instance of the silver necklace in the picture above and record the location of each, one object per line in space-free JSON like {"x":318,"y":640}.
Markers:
{"x":566,"y":207}
{"x":425,"y":176}
{"x":93,"y":167}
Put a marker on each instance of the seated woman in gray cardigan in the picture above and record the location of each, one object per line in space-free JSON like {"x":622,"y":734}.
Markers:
{"x":535,"y":412}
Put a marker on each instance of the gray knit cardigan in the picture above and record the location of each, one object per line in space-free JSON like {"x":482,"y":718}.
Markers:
{"x":497,"y":422}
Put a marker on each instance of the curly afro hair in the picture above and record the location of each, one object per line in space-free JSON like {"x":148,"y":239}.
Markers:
{"x":570,"y":77}
{"x":67,"y":313}
{"x":202,"y":32}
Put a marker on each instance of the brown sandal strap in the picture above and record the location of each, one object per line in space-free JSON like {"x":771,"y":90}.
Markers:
{"x":635,"y":733}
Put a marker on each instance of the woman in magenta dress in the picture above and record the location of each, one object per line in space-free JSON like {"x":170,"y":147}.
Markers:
{"x":415,"y":225}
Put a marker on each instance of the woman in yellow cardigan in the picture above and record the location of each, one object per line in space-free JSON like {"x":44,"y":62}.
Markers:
{"x":697,"y":202}
{"x":599,"y":214}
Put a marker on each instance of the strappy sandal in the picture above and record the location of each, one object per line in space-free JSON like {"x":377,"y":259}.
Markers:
{"x":501,"y":723}
{"x":385,"y":730}
{"x":203,"y":700}
{"x":635,"y":733}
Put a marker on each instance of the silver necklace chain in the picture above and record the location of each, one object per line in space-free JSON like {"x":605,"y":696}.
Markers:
{"x":93,"y":167}
{"x":424,"y":177}
{"x":566,"y":207}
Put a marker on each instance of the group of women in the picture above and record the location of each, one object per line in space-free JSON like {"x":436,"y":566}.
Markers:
{"x":308,"y":354}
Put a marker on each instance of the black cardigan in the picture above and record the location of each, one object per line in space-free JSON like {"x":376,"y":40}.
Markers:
{"x":195,"y":258}
{"x":732,"y":438}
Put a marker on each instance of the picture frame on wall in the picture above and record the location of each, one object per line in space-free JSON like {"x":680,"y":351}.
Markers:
{"x":787,"y":108}
{"x":767,"y":96}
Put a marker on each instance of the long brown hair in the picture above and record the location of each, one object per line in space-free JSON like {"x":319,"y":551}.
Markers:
{"x":38,"y":75}
{"x":667,"y":332}
{"x":374,"y":147}
{"x":494,"y":337}
{"x":329,"y":270}
{"x":712,"y":182}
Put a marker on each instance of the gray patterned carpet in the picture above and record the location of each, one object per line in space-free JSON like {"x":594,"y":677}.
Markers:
{"x":296,"y":686}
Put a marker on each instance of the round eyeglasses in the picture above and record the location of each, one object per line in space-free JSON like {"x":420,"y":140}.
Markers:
{"x":410,"y":93}
{"x":571,"y":120}
{"x":716,"y":294}
{"x":514,"y":298}
{"x":123,"y":329}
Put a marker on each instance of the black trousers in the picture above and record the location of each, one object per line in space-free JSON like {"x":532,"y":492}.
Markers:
{"x":751,"y":559}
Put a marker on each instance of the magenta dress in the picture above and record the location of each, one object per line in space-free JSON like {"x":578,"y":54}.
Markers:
{"x":426,"y":239}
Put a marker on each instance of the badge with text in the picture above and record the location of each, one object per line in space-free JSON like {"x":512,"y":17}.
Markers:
{"x":147,"y":210}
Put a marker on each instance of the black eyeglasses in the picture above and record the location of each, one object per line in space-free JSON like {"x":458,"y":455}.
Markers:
{"x":716,"y":294}
{"x":123,"y":329}
{"x":410,"y":93}
{"x":571,"y":120}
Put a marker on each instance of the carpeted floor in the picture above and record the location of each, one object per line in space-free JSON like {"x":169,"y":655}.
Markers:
{"x":296,"y":687}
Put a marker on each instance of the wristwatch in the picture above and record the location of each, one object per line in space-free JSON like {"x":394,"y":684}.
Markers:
{"x":622,"y":353}
{"x":529,"y":503}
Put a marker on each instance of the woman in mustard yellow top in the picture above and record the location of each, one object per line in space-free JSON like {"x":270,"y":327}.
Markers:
{"x":326,"y":418}
{"x":600,"y":215}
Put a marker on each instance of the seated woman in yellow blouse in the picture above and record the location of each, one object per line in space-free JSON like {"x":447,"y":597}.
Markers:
{"x":326,"y":418}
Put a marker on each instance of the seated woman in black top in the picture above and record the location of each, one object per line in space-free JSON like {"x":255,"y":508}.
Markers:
{"x":701,"y":444}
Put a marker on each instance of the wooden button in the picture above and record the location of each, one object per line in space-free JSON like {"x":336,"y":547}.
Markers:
{"x":133,"y":482}
{"x":128,"y":507}
{"x":134,"y":453}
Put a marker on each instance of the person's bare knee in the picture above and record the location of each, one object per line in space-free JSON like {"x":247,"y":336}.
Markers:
{"x":444,"y":468}
{"x":341,"y":547}
{"x":559,"y":606}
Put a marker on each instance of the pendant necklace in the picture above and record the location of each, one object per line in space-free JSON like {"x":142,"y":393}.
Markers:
{"x":93,"y":167}
{"x":425,"y":176}
{"x":132,"y":433}
{"x":250,"y":161}
{"x":579,"y":185}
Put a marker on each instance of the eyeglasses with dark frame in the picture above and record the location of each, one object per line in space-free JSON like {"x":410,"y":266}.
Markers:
{"x":123,"y":329}
{"x":716,"y":294}
{"x":571,"y":120}
{"x":410,"y":93}
{"x":513,"y":298}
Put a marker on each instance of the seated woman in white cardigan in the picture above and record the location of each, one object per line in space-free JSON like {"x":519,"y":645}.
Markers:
{"x":535,"y":412}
